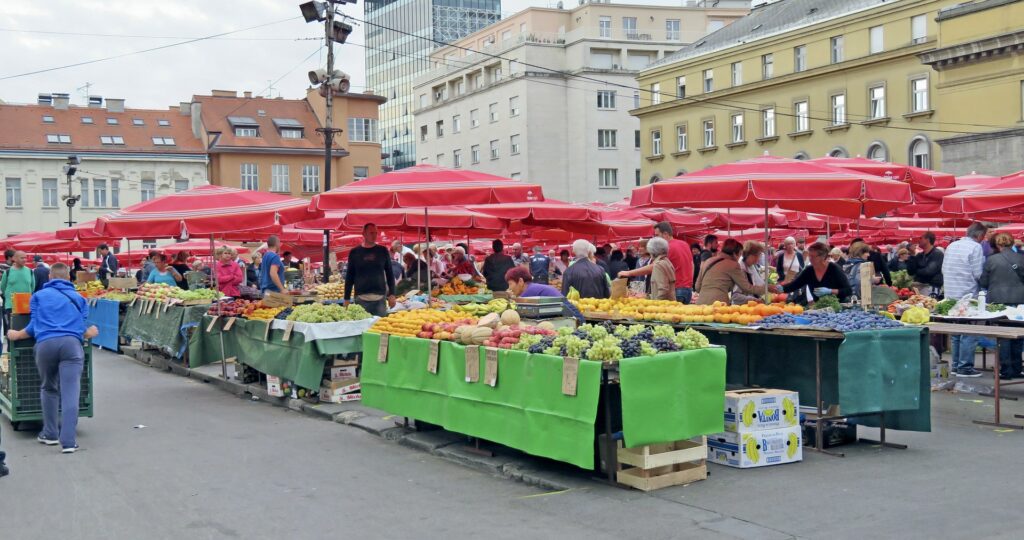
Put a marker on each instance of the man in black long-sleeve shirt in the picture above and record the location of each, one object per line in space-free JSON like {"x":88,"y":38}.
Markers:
{"x":926,"y":266}
{"x":369,"y":272}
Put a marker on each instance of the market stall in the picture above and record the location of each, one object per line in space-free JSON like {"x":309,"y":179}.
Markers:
{"x":163,"y":326}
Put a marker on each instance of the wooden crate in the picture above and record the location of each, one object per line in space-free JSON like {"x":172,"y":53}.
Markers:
{"x":657,"y":466}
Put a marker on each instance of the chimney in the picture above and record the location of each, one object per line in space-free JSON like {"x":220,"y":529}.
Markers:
{"x":95,"y":102}
{"x":45,"y":99}
{"x":61,"y":101}
{"x":115,"y":105}
{"x":196,"y":110}
{"x":184,"y":108}
{"x":224,"y":93}
{"x":247,"y":94}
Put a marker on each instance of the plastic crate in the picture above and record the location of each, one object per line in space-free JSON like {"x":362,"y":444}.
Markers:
{"x":20,"y":388}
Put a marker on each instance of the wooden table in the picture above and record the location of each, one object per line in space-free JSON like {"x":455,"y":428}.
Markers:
{"x":997,"y":333}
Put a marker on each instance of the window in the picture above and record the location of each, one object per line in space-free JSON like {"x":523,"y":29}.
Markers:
{"x":838,"y":109}
{"x":629,"y":27}
{"x":768,"y":122}
{"x":279,"y":178}
{"x":656,"y":143}
{"x":163,"y":141}
{"x":920,"y":155}
{"x":605,"y":99}
{"x":58,"y":138}
{"x":99,"y":192}
{"x":877,"y":101}
{"x":672,"y":29}
{"x":246,"y":132}
{"x":513,"y":106}
{"x":737,"y":128}
{"x":513,"y":142}
{"x":709,"y":80}
{"x":799,"y":58}
{"x":876,"y":33}
{"x":423,"y":101}
{"x":839,"y":151}
{"x":310,"y":179}
{"x":85,"y":191}
{"x":680,"y":87}
{"x":456,"y":158}
{"x":877,"y":152}
{"x":47,"y":119}
{"x":13,"y":190}
{"x":709,"y":133}
{"x":456,"y":124}
{"x":655,"y":93}
{"x":439,"y":128}
{"x":636,"y":176}
{"x":362,"y":130}
{"x":801,"y":116}
{"x":148,"y":190}
{"x":112,"y":121}
{"x":608,"y":178}
{"x":918,"y":29}
{"x":439,"y":161}
{"x":87,"y":120}
{"x":474,"y":153}
{"x":636,"y":100}
{"x":358,"y":173}
{"x":460,"y":87}
{"x":291,"y":133}
{"x":604,"y":25}
{"x":423,"y":133}
{"x":180,"y":185}
{"x":115,"y":193}
{"x":837,"y":49}
{"x":49,"y":193}
{"x":138,"y":122}
{"x":163,"y":123}
{"x":681,"y":142}
{"x":737,"y":73}
{"x":636,"y":139}
{"x":606,"y":138}
{"x":494,"y":149}
{"x":250,"y":177}
{"x":492,"y":112}
{"x":919,"y":94}
{"x":474,"y":118}
{"x":111,"y":139}
{"x":767,"y":66}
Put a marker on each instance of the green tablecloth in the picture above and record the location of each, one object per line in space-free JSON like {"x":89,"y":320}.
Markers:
{"x":295,"y":360}
{"x":166,"y":330}
{"x":467,"y":298}
{"x":867,"y":372}
{"x":672,"y":396}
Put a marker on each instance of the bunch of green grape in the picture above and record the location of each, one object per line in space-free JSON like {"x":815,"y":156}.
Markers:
{"x":691,"y":339}
{"x":526,"y":341}
{"x":664,"y":331}
{"x":565,"y":331}
{"x":646,"y":349}
{"x":576,"y":346}
{"x":605,"y":349}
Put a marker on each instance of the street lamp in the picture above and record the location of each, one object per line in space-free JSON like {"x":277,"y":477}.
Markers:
{"x":70,"y":168}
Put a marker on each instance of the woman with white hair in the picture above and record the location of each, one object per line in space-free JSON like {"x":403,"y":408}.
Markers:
{"x":663,"y":273}
{"x":584,"y":275}
{"x":790,"y":261}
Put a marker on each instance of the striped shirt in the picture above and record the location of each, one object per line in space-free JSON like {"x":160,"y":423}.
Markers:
{"x":962,"y":267}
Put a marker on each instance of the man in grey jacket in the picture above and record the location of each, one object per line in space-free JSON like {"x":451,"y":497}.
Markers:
{"x":1003,"y":278}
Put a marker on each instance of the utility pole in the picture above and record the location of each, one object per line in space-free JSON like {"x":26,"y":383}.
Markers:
{"x":70,"y":168}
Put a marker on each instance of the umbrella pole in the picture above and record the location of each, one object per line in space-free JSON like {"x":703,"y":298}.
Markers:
{"x":216,"y":287}
{"x":430,"y":257}
{"x":327,"y":256}
{"x":767,"y":240}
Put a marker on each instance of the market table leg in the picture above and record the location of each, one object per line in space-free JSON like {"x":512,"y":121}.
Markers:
{"x":881,"y":436}
{"x":997,"y":422}
{"x":611,"y":459}
{"x":820,"y":420}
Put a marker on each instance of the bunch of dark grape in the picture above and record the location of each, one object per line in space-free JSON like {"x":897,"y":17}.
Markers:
{"x":630,"y":348}
{"x":284,"y":314}
{"x":665,"y":344}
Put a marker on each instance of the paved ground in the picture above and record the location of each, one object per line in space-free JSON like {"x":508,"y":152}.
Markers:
{"x":210,"y":465}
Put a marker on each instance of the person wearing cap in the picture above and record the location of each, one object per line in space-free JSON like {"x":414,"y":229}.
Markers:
{"x":108,"y":264}
{"x":41,"y":273}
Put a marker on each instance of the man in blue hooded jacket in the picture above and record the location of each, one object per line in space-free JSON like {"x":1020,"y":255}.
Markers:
{"x":58,"y":326}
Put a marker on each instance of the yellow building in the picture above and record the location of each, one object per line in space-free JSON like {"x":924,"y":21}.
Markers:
{"x":979,"y":90}
{"x":797,"y":78}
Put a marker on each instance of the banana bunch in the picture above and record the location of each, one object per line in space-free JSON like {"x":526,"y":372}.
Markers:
{"x":497,"y":305}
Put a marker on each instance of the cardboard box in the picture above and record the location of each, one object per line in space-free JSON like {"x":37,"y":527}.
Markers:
{"x":341,"y":398}
{"x":274,"y":386}
{"x":756,"y":409}
{"x":757,"y":448}
{"x":334,"y":396}
{"x":342,"y":372}
{"x":122,"y":283}
{"x":335,"y":386}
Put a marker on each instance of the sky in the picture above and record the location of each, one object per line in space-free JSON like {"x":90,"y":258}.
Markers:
{"x":272,"y":60}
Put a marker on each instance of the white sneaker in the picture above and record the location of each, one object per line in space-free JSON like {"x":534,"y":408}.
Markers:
{"x":47,"y":442}
{"x":69,"y":450}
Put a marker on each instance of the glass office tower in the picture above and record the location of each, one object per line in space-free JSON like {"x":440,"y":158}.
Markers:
{"x":400,"y":34}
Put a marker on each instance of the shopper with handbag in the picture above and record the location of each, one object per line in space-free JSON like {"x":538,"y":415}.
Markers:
{"x":1003,"y":278}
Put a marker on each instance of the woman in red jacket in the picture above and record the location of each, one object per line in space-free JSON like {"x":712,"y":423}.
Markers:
{"x":229,"y":274}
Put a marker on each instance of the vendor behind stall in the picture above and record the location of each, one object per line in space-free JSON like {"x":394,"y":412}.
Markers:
{"x":520,"y":283}
{"x":162,"y":273}
{"x":369,"y":272}
{"x":720,"y":274}
{"x":823,"y":276}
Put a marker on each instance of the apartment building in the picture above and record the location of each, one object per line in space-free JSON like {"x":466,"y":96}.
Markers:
{"x":127,"y":156}
{"x":797,"y":78}
{"x":545,"y":94}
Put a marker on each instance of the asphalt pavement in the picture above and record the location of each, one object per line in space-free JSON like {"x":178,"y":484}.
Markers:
{"x":210,"y":465}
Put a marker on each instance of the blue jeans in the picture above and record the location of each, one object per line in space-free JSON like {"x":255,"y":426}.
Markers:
{"x":963,"y":351}
{"x":1010,"y":356}
{"x":60,"y":361}
{"x":684,"y":295}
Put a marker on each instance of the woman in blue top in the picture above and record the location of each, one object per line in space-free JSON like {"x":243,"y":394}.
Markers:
{"x":163,"y":273}
{"x":520,"y":283}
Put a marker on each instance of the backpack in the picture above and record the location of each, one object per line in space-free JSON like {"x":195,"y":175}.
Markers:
{"x":852,"y":271}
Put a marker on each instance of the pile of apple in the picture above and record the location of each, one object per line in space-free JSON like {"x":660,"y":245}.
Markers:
{"x":445,"y":331}
{"x":158,"y":291}
{"x":508,"y":336}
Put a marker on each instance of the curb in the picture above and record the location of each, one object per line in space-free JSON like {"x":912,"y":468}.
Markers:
{"x":451,"y":447}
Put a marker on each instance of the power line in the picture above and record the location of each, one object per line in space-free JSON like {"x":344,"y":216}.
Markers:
{"x":169,"y":45}
{"x":141,"y":36}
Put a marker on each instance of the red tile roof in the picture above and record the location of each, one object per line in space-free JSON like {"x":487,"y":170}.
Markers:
{"x":23,"y":129}
{"x":217,"y":109}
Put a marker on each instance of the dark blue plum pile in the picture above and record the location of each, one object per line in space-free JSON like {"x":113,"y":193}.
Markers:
{"x":846,"y":321}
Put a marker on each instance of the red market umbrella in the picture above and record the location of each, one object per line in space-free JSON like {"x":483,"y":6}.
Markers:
{"x":768,"y":181}
{"x":1004,"y":197}
{"x":547,"y":210}
{"x":205,"y":210}
{"x":82,"y":231}
{"x":48,"y":242}
{"x":758,"y":234}
{"x":918,"y":178}
{"x":407,"y":219}
{"x":199,"y":248}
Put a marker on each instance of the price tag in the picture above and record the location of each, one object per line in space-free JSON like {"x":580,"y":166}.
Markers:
{"x":149,"y":309}
{"x":382,"y":349}
{"x":142,"y":306}
{"x":472,"y":363}
{"x":435,"y":347}
{"x":491,"y":368}
{"x":158,"y":312}
{"x":133,"y":301}
{"x":166,"y":305}
{"x":288,"y":331}
{"x":229,"y":324}
{"x":213,"y":322}
{"x":570,"y":373}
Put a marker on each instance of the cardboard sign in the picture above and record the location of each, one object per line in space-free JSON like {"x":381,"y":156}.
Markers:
{"x":288,"y":331}
{"x":491,"y":367}
{"x":229,"y":324}
{"x":158,"y":312}
{"x":142,"y":306}
{"x":149,"y":308}
{"x":382,"y":350}
{"x":136,"y":299}
{"x":167,"y":305}
{"x":122,"y":283}
{"x":570,"y":374}
{"x":867,"y":273}
{"x":84,"y":277}
{"x":435,"y":347}
{"x":620,"y":288}
{"x":472,"y":363}
{"x":273,"y":299}
{"x":213,"y":322}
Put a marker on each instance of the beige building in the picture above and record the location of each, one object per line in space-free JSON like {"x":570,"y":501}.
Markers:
{"x":545,"y":94}
{"x":797,"y":78}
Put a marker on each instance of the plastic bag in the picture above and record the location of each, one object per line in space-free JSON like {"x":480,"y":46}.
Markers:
{"x":963,"y":307}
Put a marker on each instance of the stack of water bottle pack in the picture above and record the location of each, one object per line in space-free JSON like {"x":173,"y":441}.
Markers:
{"x":762,"y":427}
